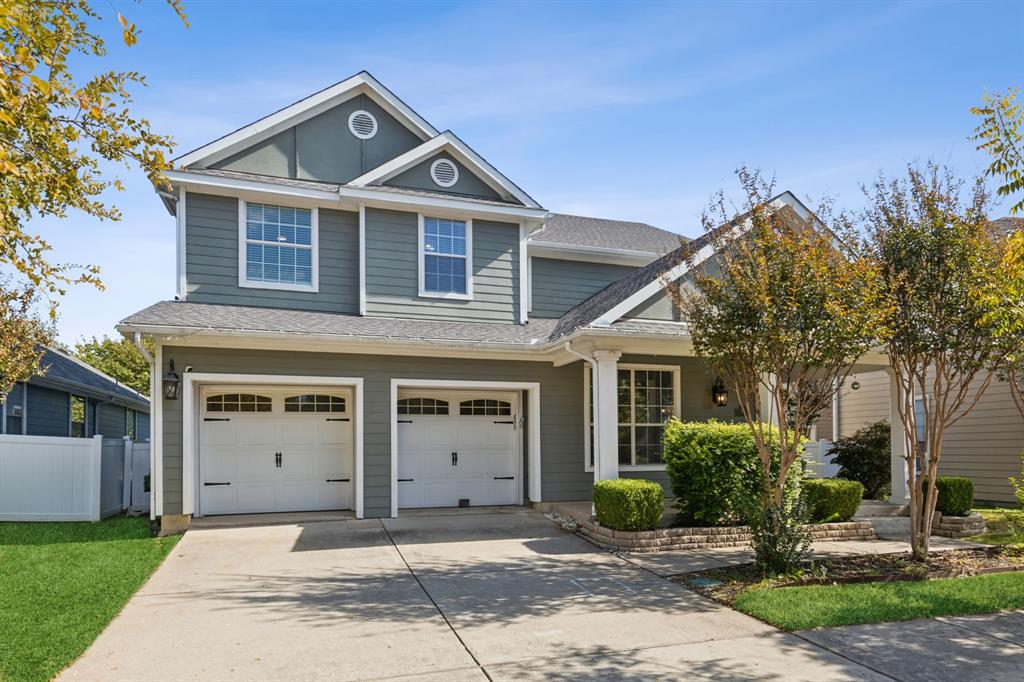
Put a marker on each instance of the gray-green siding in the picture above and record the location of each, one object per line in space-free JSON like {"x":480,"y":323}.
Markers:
{"x":211,"y":260}
{"x":324,"y":149}
{"x":468,"y":184}
{"x":562,"y":441}
{"x":392,"y":271}
{"x":559,"y":285}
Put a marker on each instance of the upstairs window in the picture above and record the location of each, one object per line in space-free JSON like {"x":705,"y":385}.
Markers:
{"x":279,"y":249}
{"x":445,"y":254}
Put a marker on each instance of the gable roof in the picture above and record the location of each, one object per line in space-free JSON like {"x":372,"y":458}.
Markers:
{"x":1007,"y":225}
{"x":624,"y":235}
{"x":306,"y":108}
{"x":66,"y":372}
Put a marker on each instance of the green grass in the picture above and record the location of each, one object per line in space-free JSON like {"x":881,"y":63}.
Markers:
{"x":819,"y":606}
{"x":61,"y":583}
{"x":998,"y":531}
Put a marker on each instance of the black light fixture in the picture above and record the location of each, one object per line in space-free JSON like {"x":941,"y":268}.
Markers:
{"x":719,"y":394}
{"x":172,"y":383}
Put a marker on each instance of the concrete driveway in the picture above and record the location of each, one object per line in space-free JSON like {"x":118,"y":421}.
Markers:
{"x":476,"y":595}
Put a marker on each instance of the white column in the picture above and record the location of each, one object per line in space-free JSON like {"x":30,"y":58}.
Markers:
{"x":898,"y":442}
{"x":606,"y":404}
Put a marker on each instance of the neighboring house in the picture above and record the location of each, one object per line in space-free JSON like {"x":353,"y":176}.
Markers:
{"x":371,"y":316}
{"x":71,"y":398}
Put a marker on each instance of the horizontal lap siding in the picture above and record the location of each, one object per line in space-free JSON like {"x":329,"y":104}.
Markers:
{"x":392,"y":271}
{"x":867,"y":405}
{"x":211,"y":260}
{"x":111,"y":421}
{"x":48,"y":412}
{"x":560,"y":285}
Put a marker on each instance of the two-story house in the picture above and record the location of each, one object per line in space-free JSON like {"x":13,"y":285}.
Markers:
{"x":371,"y":316}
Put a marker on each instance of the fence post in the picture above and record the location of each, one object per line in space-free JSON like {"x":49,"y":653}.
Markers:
{"x":96,"y":479}
{"x":126,"y":475}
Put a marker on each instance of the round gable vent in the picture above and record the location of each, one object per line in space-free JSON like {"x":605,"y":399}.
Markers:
{"x":444,"y":172}
{"x":362,"y":124}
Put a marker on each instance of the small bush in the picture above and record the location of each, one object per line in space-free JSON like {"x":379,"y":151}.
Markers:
{"x":956,"y":495}
{"x":714,"y":468}
{"x":629,"y":504}
{"x":780,"y":540}
{"x":831,"y":499}
{"x":864,"y":456}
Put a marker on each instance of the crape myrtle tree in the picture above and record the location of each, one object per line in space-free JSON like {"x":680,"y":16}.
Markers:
{"x":784,"y":311}
{"x":1001,"y":135}
{"x":22,"y":334}
{"x":947,"y":295}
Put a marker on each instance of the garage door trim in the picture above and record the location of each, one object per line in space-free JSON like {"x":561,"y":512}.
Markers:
{"x":193,"y":381}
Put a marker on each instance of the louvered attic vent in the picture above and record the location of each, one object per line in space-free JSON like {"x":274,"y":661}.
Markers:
{"x":444,"y":172}
{"x":362,"y":124}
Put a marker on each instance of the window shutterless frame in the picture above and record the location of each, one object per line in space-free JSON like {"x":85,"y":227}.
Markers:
{"x":467,"y":259}
{"x":314,"y":249}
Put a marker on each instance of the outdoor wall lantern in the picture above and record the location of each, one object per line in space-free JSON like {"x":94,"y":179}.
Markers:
{"x":172,"y":383}
{"x":719,"y":394}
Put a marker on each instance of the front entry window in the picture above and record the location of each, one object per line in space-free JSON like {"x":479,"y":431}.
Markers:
{"x":647,"y":397}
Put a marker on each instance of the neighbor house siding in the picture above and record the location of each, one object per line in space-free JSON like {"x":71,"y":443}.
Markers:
{"x":392,"y":271}
{"x":468,"y":184}
{"x":211,"y":260}
{"x":560,"y":285}
{"x":562,"y":439}
{"x":49,"y":412}
{"x":111,"y":420}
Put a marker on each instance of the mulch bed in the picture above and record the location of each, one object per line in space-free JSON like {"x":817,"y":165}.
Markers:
{"x":725,"y":584}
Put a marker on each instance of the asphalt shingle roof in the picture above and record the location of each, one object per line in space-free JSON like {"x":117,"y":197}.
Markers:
{"x":574,"y":230}
{"x":57,"y":367}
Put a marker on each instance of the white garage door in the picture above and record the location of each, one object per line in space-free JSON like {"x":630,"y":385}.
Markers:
{"x":456,"y":446}
{"x":273,"y":450}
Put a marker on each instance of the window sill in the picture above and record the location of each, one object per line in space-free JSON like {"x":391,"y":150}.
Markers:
{"x":279,"y":286}
{"x":452,"y":296}
{"x":632,"y":467}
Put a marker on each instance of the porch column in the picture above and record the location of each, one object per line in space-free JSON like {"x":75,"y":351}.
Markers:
{"x":606,"y":405}
{"x":898,"y":442}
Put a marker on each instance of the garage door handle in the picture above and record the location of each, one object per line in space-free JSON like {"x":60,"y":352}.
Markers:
{"x":405,"y":421}
{"x":508,"y":422}
{"x":337,"y":419}
{"x":337,"y":480}
{"x":217,"y":483}
{"x":406,"y":480}
{"x":216,"y":419}
{"x":504,"y":478}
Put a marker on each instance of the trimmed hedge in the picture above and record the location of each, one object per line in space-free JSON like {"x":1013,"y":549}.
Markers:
{"x":629,"y":504}
{"x":715,"y":471}
{"x":956,"y":495}
{"x":864,"y":456}
{"x":831,"y":499}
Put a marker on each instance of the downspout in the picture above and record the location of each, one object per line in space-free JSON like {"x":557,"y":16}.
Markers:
{"x":594,"y":412}
{"x":152,"y":426}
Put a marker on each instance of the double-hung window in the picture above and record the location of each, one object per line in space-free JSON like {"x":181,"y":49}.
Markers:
{"x":648,"y":396}
{"x":279,"y":247}
{"x":446,"y":252}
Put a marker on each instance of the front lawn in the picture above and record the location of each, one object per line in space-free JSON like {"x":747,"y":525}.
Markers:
{"x":820,"y":606}
{"x":61,"y":583}
{"x":998,"y":532}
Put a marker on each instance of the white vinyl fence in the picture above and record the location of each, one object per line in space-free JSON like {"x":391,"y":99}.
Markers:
{"x":819,"y":462}
{"x":70,"y":479}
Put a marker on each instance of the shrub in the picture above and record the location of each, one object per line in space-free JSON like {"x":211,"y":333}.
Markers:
{"x":864,"y":456}
{"x":780,"y":539}
{"x":629,"y":504}
{"x":714,"y":468}
{"x":831,"y":499}
{"x":956,"y":495}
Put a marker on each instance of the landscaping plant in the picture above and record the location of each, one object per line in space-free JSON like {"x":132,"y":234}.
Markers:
{"x":782,"y":314}
{"x":628,"y":503}
{"x":950,"y":287}
{"x":831,"y":499}
{"x":955,"y":496}
{"x":1015,"y":517}
{"x":864,"y":456}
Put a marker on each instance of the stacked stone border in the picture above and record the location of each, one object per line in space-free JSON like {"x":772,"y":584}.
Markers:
{"x":667,"y":539}
{"x":958,"y":526}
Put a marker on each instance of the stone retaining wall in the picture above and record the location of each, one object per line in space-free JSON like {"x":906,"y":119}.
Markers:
{"x":958,"y":526}
{"x":665,"y":539}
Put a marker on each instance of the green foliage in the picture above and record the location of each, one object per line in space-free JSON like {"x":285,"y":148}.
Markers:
{"x":1018,"y":484}
{"x":629,"y":504}
{"x":955,"y":496}
{"x":714,"y":470}
{"x":779,"y":536}
{"x":23,"y":334}
{"x":119,"y":358}
{"x":831,"y":499}
{"x":864,"y":456}
{"x":1001,"y":134}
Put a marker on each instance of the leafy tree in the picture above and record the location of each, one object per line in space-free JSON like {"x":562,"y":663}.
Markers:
{"x":24,"y":335}
{"x":1001,"y":133}
{"x":864,"y":456}
{"x":782,"y":316}
{"x":57,"y":129}
{"x":118,"y":358}
{"x":938,"y":263}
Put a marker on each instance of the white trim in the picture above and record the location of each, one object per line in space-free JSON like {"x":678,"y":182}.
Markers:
{"x":156,"y":436}
{"x":190,"y":180}
{"x":591,"y":254}
{"x":356,"y":133}
{"x":190,"y":424}
{"x":533,"y":421}
{"x":180,"y":217}
{"x":529,"y":277}
{"x":677,"y":407}
{"x":524,"y":277}
{"x":433,"y":172}
{"x":446,"y":141}
{"x":421,"y":253}
{"x":245,"y":283}
{"x":362,"y":259}
{"x":361,"y":83}
{"x":386,"y":199}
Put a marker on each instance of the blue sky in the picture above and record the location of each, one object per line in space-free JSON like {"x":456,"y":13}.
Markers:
{"x":633,"y":111}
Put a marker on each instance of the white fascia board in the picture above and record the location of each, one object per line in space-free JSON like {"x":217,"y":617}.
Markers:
{"x":446,"y":141}
{"x":410,"y":202}
{"x":680,"y":269}
{"x":198,"y":181}
{"x":594,"y":254}
{"x":268,"y":126}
